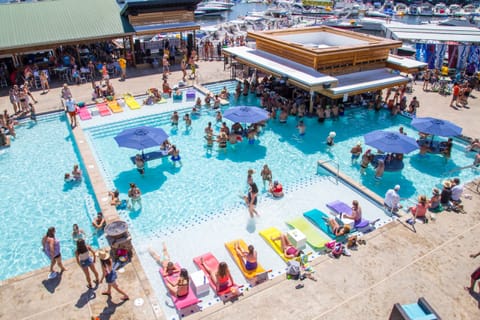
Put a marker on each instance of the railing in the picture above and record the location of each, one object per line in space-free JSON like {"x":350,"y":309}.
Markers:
{"x":321,"y":162}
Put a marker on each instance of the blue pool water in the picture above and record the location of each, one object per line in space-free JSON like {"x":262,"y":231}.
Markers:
{"x":34,"y":196}
{"x":208,"y":184}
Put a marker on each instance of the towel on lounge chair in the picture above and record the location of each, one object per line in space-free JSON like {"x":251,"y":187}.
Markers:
{"x":249,"y":274}
{"x":114,"y":106}
{"x":212,"y":263}
{"x":84,"y":113}
{"x":314,"y":238}
{"x":103,"y":109}
{"x":179,"y":302}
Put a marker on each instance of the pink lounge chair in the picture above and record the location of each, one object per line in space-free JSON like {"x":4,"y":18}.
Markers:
{"x":103,"y":109}
{"x":84,"y":114}
{"x":180,"y":302}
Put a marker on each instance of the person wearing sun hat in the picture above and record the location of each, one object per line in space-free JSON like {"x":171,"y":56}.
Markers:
{"x":446,"y":193}
{"x":434,"y":201}
{"x":331,"y":138}
{"x":109,"y":273}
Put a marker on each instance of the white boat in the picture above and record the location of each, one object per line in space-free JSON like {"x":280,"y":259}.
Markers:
{"x":454,"y":10}
{"x":426,"y":10}
{"x":401,"y":9}
{"x":210,"y":10}
{"x":440,"y":10}
{"x":413,"y":10}
{"x":221,"y":3}
{"x":376,"y":14}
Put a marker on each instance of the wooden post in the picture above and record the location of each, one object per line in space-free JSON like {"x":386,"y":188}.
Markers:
{"x":78,"y":57}
{"x":312,"y":93}
{"x":132,"y":50}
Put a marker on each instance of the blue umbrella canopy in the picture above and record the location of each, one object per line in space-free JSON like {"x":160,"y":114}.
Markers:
{"x":141,"y":137}
{"x":246,"y":114}
{"x":388,"y":141}
{"x":438,"y":127}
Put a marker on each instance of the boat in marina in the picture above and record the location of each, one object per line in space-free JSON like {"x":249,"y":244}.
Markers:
{"x":401,"y":9}
{"x":440,"y":10}
{"x":221,"y":3}
{"x":426,"y":10}
{"x":413,"y":10}
{"x":455,"y":10}
{"x":376,"y":14}
{"x":210,"y":10}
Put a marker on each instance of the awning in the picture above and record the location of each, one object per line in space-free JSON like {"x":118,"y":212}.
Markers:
{"x":295,"y":73}
{"x":142,"y":30}
{"x":364,"y":81}
{"x":405,"y":64}
{"x":433,"y":33}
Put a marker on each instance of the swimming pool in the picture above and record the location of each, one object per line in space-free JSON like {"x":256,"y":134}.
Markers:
{"x":209,"y":184}
{"x":34,"y":196}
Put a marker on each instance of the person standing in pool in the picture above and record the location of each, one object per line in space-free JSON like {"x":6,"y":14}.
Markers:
{"x":366,"y":159}
{"x":135,"y":195}
{"x":331,"y":138}
{"x":140,"y":163}
{"x":251,"y":199}
{"x":176,"y":156}
{"x":174,"y":119}
{"x":51,"y":247}
{"x":356,"y":151}
{"x":266,"y":174}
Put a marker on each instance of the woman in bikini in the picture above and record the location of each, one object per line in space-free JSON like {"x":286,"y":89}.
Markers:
{"x":167,"y":265}
{"x":85,"y":257}
{"x":289,"y":250}
{"x":337,"y":229}
{"x":221,"y":277}
{"x":181,"y":287}
{"x":51,"y":247}
{"x":266,"y":174}
{"x":249,"y":257}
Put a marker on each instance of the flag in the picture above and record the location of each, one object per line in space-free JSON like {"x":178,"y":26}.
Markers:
{"x":421,"y":54}
{"x":462,"y":56}
{"x":473,"y":57}
{"x":431,"y":56}
{"x":440,"y":55}
{"x":452,"y":55}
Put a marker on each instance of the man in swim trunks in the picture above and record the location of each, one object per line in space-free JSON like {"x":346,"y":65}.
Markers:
{"x":174,"y":119}
{"x":71,"y":109}
{"x":356,"y":151}
{"x":140,"y":163}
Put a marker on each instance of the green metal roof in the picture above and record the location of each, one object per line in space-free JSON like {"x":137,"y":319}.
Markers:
{"x":54,"y":22}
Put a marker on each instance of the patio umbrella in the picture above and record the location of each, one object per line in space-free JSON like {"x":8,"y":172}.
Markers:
{"x":141,"y":137}
{"x":388,"y":141}
{"x":436,"y":127}
{"x":245,"y":114}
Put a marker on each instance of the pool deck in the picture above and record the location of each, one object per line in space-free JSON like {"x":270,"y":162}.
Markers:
{"x":396,"y":265}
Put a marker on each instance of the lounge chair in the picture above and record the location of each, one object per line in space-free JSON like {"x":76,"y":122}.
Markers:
{"x":103,"y":109}
{"x":415,"y":311}
{"x":338,"y":207}
{"x":131,"y":102}
{"x":84,"y":113}
{"x":180,"y":302}
{"x":318,"y":218}
{"x":267,"y":235}
{"x":114,"y":106}
{"x":212,"y":263}
{"x":314,"y":238}
{"x":249,"y":274}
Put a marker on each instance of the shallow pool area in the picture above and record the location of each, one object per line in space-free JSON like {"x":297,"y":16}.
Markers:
{"x":35,"y":197}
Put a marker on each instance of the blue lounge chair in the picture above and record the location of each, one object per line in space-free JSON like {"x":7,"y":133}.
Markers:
{"x":415,"y":311}
{"x":318,"y":217}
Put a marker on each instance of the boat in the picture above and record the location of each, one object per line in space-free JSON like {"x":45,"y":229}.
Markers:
{"x":342,"y":23}
{"x":413,"y":10}
{"x":440,"y":10}
{"x":210,"y":10}
{"x":376,"y":14}
{"x":388,"y":8}
{"x":221,"y":3}
{"x":457,"y":22}
{"x":455,"y":10}
{"x":401,"y":9}
{"x":426,"y":10}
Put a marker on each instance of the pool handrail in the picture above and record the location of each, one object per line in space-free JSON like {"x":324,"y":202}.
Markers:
{"x":335,"y":162}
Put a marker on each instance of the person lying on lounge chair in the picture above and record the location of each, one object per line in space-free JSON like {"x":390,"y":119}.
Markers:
{"x":289,"y":250}
{"x":337,"y":229}
{"x":167,"y":265}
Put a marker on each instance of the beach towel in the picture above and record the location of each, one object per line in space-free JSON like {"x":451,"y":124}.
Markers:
{"x":212,"y":263}
{"x":273,"y":232}
{"x":84,"y":113}
{"x":131,"y":102}
{"x":314,"y":238}
{"x":180,"y":302}
{"x":103,"y":109}
{"x":114,"y":106}
{"x":318,"y":217}
{"x":249,"y":274}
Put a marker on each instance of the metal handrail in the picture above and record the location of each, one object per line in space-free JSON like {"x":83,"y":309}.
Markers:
{"x":319,"y":162}
{"x":447,"y":173}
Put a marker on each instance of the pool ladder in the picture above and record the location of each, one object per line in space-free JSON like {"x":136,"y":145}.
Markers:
{"x":320,"y":163}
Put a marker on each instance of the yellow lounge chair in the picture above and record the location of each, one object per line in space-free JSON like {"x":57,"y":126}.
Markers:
{"x":268,"y":234}
{"x":131,"y":102}
{"x":114,"y":106}
{"x":249,"y":274}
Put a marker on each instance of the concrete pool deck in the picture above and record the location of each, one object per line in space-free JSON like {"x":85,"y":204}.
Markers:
{"x":396,"y":265}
